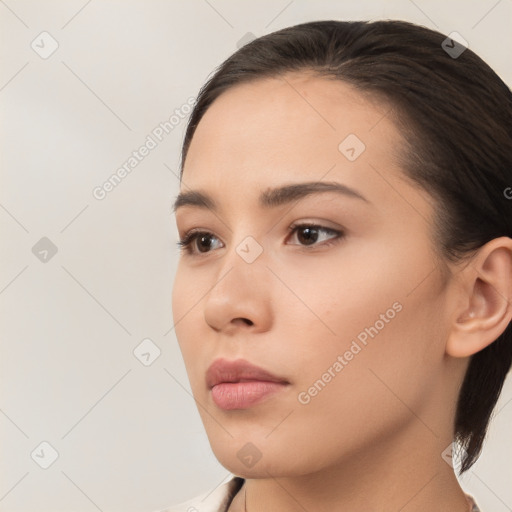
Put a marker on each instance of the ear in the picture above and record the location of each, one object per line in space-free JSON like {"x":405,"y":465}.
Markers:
{"x":484,"y":299}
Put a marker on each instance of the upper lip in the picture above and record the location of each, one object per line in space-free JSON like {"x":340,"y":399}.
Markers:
{"x":240,"y":370}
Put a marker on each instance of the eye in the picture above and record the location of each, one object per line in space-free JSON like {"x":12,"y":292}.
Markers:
{"x":311,"y":234}
{"x":198,"y":241}
{"x":306,"y":235}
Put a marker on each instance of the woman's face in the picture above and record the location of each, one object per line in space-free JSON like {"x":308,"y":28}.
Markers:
{"x":351,"y":311}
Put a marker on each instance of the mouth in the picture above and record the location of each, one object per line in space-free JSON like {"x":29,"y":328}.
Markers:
{"x":240,"y":384}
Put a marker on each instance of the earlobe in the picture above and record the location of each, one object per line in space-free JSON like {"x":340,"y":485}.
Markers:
{"x":485,"y":296}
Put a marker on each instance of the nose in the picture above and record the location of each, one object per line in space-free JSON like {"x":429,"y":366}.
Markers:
{"x":240,"y":297}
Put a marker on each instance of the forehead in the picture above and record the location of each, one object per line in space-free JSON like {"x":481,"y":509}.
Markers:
{"x":278,"y":122}
{"x":295,"y":127}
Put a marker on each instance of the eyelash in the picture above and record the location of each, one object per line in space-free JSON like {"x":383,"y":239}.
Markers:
{"x":185,"y":243}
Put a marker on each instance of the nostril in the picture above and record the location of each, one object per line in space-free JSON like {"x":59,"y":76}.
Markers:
{"x":244,"y":320}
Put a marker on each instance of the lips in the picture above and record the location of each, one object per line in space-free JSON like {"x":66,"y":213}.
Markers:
{"x":240,"y":384}
{"x":240,"y":370}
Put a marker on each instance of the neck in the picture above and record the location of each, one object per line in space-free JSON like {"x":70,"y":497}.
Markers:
{"x":400,"y":474}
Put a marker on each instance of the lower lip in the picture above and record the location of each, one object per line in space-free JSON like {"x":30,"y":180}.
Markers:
{"x":242,"y":395}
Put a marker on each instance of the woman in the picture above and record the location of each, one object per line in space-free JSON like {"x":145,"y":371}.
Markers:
{"x":343,"y":297}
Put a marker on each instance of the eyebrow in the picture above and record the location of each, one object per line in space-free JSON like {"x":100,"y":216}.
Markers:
{"x":271,"y":198}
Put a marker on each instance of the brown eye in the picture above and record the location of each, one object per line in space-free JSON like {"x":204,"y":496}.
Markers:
{"x":313,"y":235}
{"x":307,"y":235}
{"x":198,"y":242}
{"x":204,"y":242}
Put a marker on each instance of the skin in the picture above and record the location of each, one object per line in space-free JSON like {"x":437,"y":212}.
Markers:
{"x":372,"y":438}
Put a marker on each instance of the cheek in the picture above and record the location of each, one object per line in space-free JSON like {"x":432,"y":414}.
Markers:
{"x":181,"y":292}
{"x":340,"y":296}
{"x":186,"y":307}
{"x":380,"y":315}
{"x":190,"y":286}
{"x":364,"y":396}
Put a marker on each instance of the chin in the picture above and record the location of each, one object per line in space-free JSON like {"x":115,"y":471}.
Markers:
{"x":260,"y":459}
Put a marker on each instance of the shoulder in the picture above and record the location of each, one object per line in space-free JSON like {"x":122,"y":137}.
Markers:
{"x":210,"y":501}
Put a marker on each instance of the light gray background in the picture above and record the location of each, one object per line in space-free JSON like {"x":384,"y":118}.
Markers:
{"x":129,"y":437}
